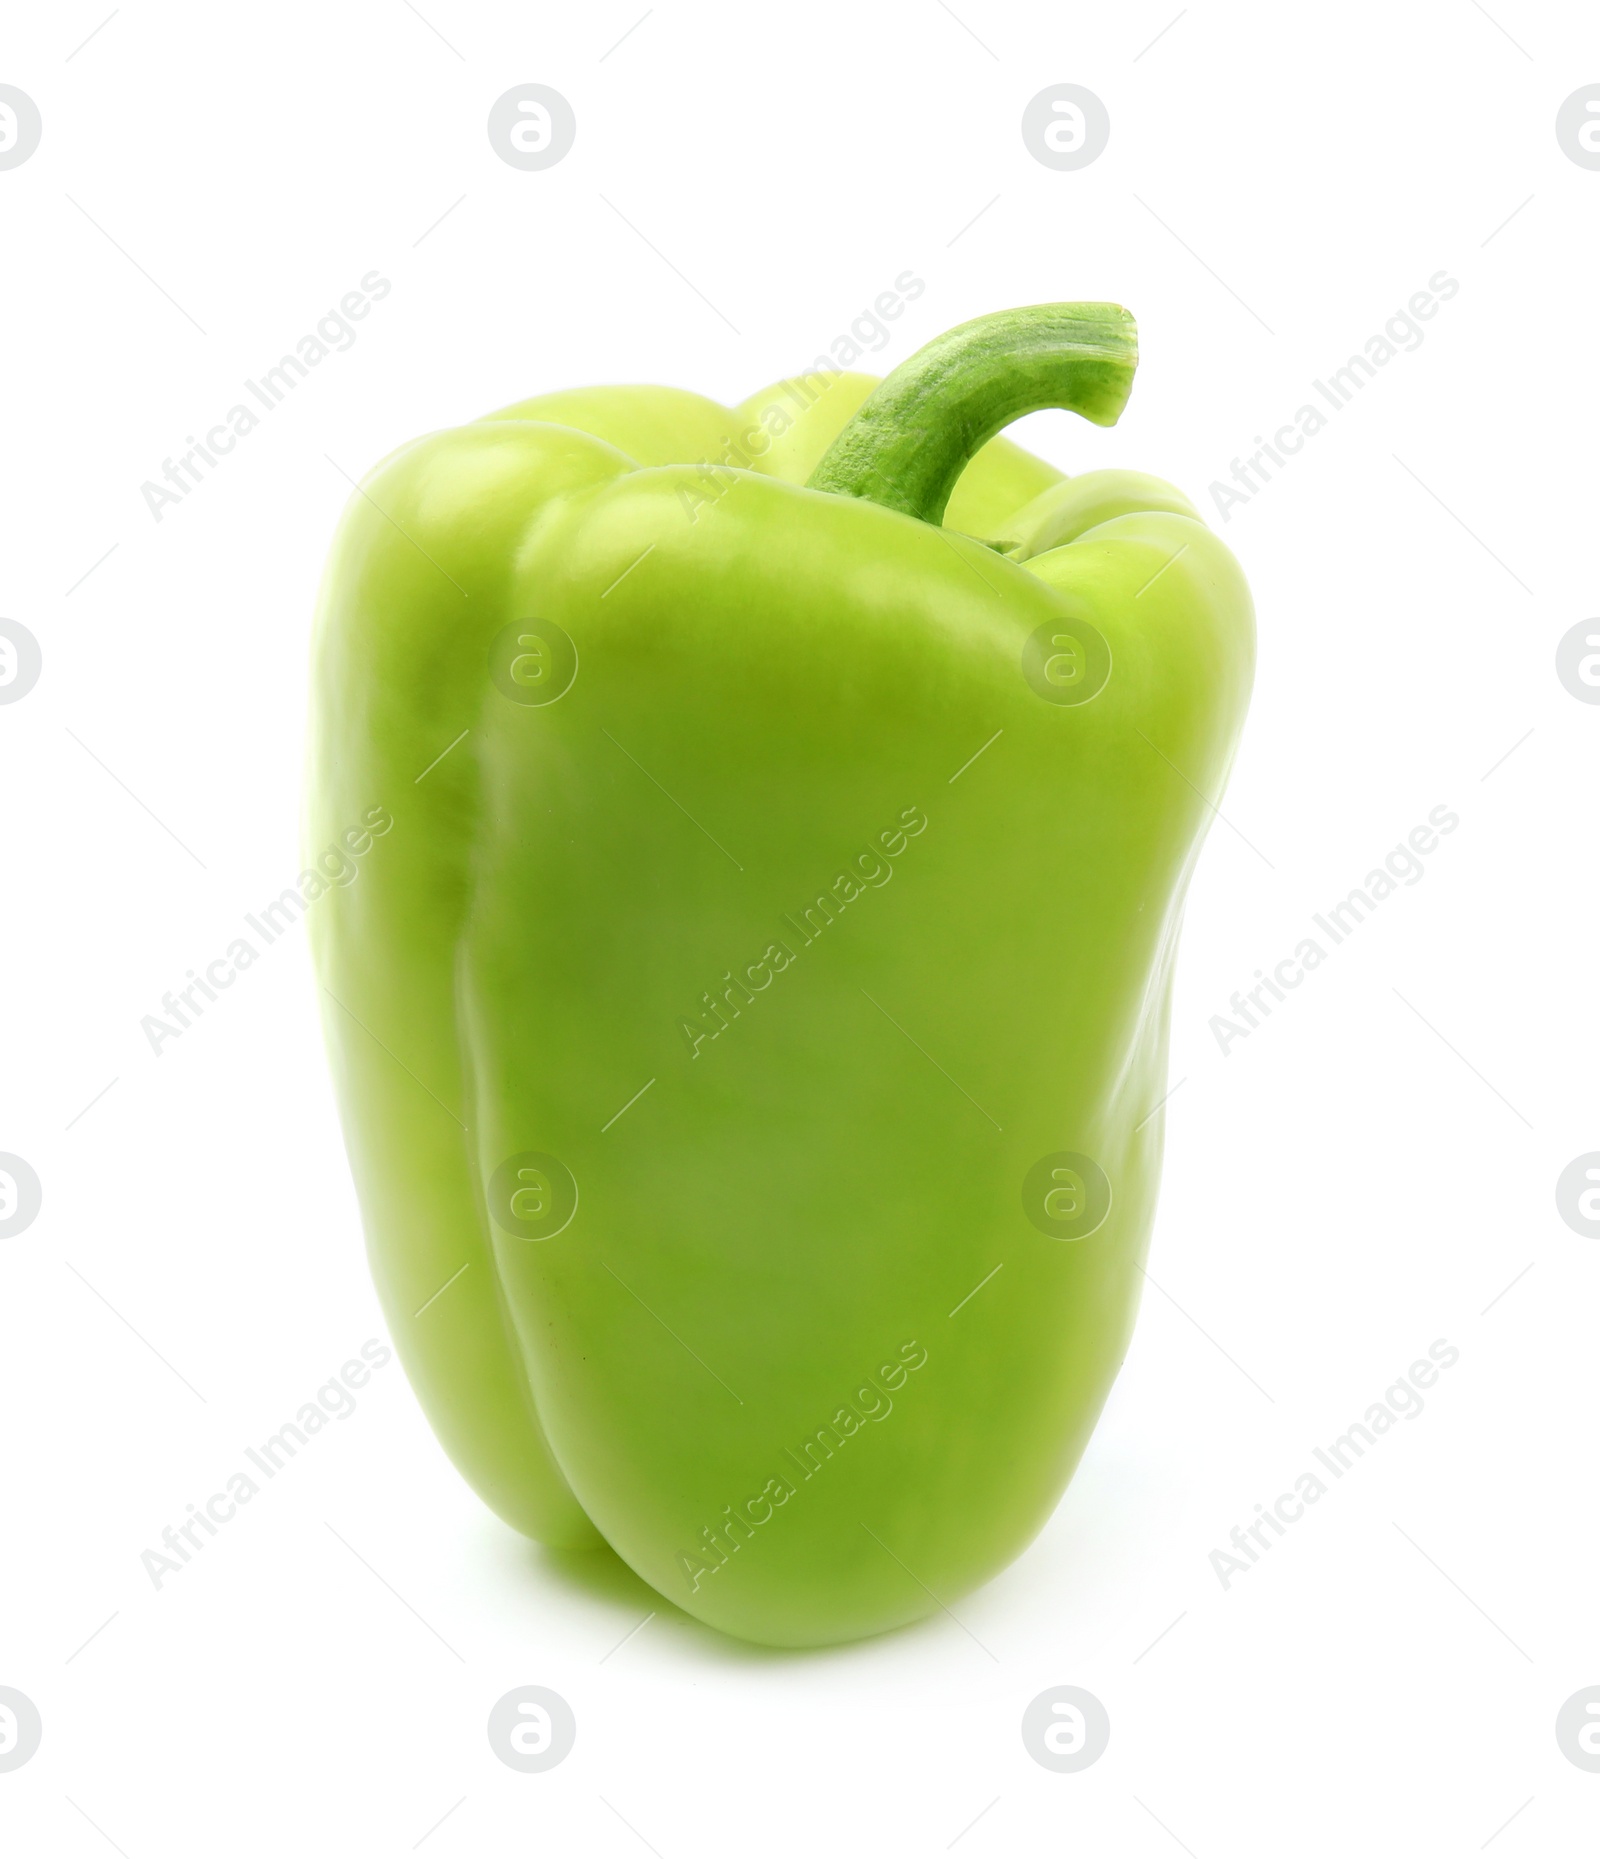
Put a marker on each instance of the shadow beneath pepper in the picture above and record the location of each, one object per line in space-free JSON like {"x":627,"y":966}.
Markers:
{"x":600,"y":1574}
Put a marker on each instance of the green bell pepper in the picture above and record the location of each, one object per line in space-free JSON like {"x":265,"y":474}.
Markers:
{"x":750,"y":1034}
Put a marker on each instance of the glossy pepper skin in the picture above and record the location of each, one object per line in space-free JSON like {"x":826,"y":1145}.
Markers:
{"x":750,"y":1032}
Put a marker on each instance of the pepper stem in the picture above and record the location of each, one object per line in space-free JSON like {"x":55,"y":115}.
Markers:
{"x":913,"y":435}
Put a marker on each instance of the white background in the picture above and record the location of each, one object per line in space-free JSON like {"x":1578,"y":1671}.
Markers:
{"x":1368,"y":1171}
